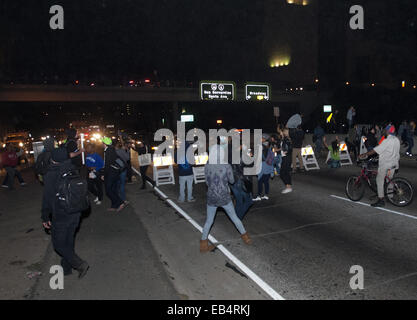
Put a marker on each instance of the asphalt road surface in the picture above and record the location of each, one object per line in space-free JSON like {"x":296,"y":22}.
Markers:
{"x":306,"y":242}
{"x":304,"y":245}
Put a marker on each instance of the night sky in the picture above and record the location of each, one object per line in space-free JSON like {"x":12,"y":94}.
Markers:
{"x":185,"y":40}
{"x":180,"y":39}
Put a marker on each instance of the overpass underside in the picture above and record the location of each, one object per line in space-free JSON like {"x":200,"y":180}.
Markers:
{"x":45,"y":93}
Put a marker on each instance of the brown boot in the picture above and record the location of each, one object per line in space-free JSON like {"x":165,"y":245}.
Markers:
{"x":205,"y":247}
{"x":246,"y":239}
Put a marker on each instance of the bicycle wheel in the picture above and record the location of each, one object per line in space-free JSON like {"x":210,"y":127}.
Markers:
{"x":355,"y":188}
{"x":399,"y":192}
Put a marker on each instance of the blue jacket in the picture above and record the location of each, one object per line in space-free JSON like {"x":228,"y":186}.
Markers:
{"x":185,"y":169}
{"x":94,"y":160}
{"x":267,"y":168}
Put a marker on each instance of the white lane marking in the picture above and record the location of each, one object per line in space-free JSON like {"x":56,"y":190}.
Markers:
{"x":267,"y":288}
{"x":271,"y":292}
{"x":138,"y":173}
{"x":378,"y":208}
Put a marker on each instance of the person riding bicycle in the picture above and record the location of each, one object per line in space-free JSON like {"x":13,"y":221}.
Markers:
{"x":389,"y":161}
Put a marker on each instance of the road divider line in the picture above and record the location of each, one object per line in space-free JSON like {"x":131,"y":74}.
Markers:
{"x":378,"y":208}
{"x":252,"y":275}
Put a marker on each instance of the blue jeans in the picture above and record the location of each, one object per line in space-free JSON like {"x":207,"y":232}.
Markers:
{"x":111,"y":181}
{"x":410,"y":142}
{"x":334,"y":164}
{"x":121,"y":185}
{"x":263,"y":181}
{"x":319,"y":146}
{"x":64,"y":227}
{"x":9,"y":179}
{"x":277,"y":163}
{"x":211,"y":214}
{"x":243,"y":200}
{"x":183,"y":180}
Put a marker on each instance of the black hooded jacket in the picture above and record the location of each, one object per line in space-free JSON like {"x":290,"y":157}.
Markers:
{"x":50,"y":187}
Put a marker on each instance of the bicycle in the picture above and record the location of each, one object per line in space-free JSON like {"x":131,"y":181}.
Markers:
{"x":398,"y":190}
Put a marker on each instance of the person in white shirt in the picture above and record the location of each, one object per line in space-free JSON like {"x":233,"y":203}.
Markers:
{"x":350,"y":115}
{"x":389,"y":161}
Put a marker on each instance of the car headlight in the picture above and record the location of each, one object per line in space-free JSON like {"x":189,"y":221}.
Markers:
{"x":20,"y":144}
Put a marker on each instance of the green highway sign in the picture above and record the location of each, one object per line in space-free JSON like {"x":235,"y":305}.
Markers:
{"x":217,"y":90}
{"x":257,"y":91}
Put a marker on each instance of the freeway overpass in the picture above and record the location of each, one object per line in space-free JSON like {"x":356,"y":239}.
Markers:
{"x":74,"y":93}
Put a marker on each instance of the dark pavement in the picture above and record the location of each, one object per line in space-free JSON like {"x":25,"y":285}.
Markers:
{"x":305,"y":242}
{"x":304,"y":245}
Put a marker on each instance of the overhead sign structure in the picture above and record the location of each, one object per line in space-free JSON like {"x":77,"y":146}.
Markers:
{"x":257,"y":91}
{"x":187,"y":118}
{"x":217,"y":90}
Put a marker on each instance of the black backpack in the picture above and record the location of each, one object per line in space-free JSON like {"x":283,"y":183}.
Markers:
{"x":72,"y":193}
{"x":42,"y":163}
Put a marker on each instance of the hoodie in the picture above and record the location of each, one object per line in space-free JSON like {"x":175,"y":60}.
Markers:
{"x":50,"y":180}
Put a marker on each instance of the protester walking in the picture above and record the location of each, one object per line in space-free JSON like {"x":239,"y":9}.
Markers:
{"x":42,"y":165}
{"x":349,"y":116}
{"x":10,"y":161}
{"x":286,"y":152}
{"x":297,"y":139}
{"x":218,"y":176}
{"x":318,"y":135}
{"x":276,"y":150}
{"x":266,"y":169}
{"x":185,"y":173}
{"x":95,"y":165}
{"x":63,"y":224}
{"x":71,"y":145}
{"x":112,"y":170}
{"x":123,"y":159}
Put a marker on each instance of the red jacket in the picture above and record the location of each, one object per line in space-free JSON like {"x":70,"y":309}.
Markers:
{"x":10,"y":159}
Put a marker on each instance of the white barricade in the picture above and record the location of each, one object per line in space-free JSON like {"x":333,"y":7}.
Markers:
{"x":198,"y":171}
{"x":309,"y":159}
{"x":163,"y":172}
{"x":199,"y":175}
{"x":345,"y":159}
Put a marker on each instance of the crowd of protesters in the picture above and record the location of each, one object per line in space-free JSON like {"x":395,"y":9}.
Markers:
{"x":107,"y":173}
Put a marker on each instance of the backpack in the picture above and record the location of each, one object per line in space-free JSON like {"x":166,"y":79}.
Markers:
{"x":72,"y":193}
{"x":119,"y":165}
{"x":42,"y":163}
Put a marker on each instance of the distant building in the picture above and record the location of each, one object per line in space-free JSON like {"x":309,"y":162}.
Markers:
{"x":291,"y":40}
{"x":310,"y":41}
